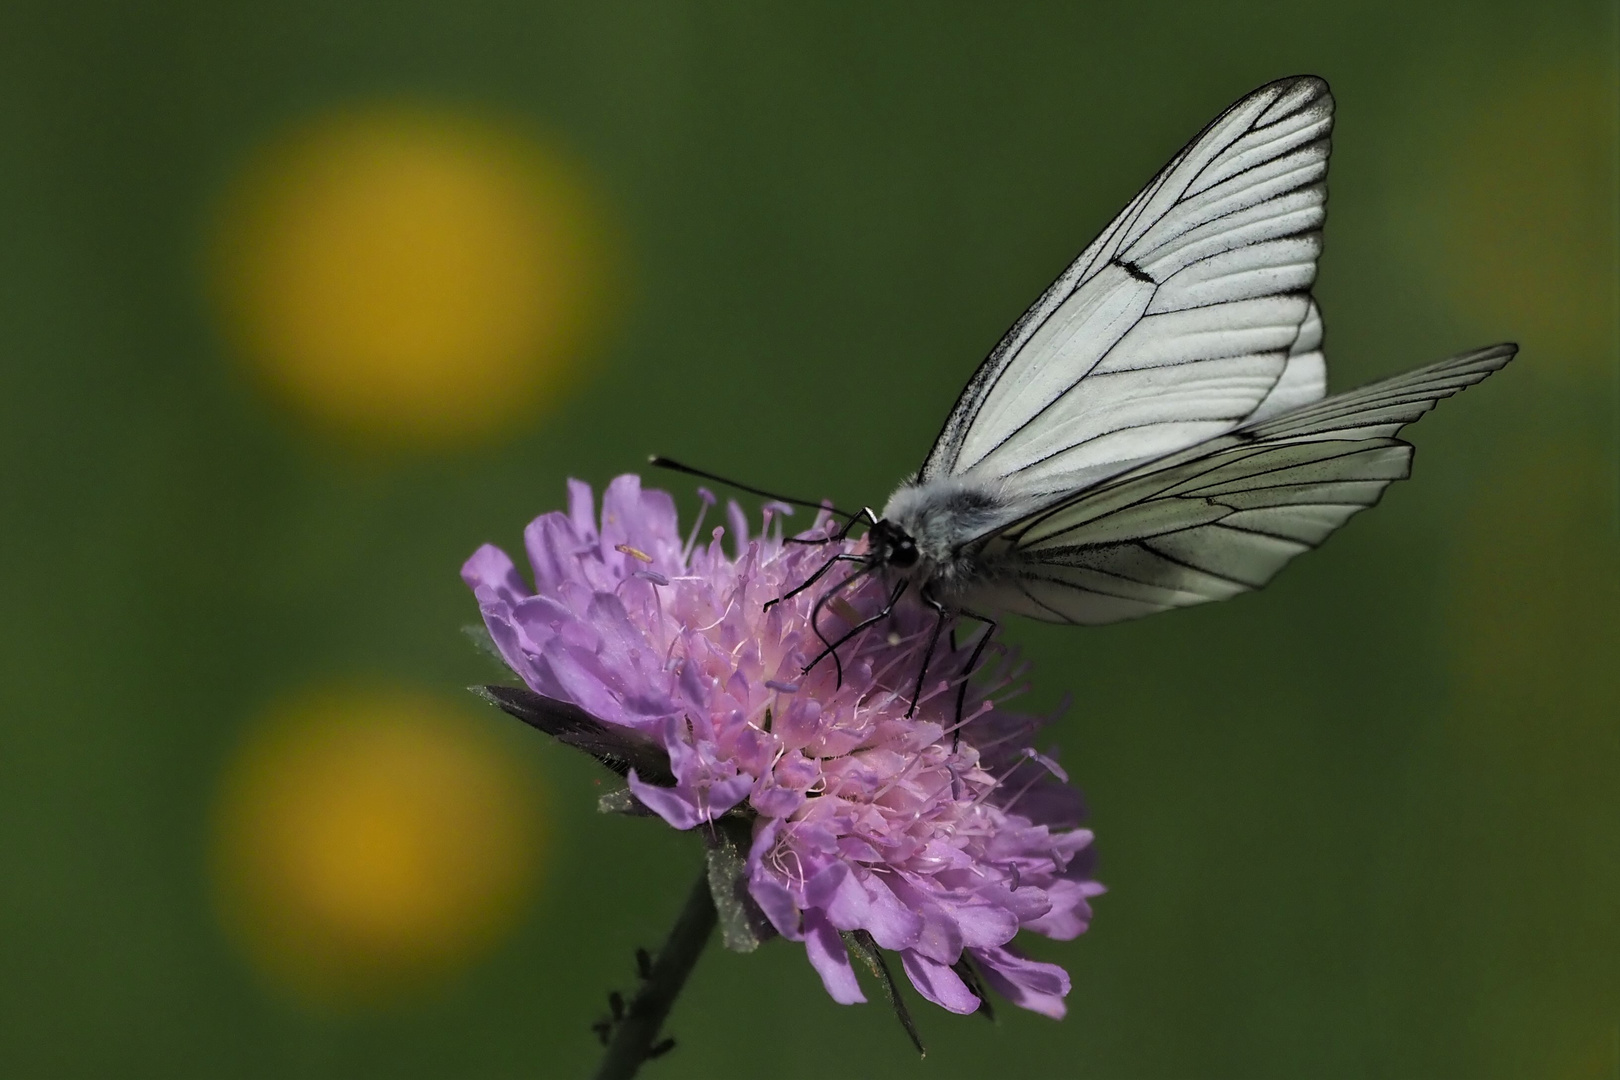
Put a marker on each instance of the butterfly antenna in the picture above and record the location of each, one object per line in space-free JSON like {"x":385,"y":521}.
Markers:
{"x":676,"y":466}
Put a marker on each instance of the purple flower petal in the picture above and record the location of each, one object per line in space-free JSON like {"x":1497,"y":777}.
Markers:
{"x":983,"y":924}
{"x":581,"y":680}
{"x":1035,"y":986}
{"x":490,"y":568}
{"x":725,"y":794}
{"x":850,"y":905}
{"x":776,"y":902}
{"x":1070,"y":914}
{"x":767,"y":890}
{"x":938,"y":983}
{"x":581,"y":508}
{"x":776,"y":802}
{"x":891,"y":923}
{"x":831,"y":961}
{"x":674,"y":805}
{"x":504,"y":631}
{"x":822,"y":888}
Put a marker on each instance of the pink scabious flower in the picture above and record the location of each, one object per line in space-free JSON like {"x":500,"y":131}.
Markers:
{"x":940,"y":840}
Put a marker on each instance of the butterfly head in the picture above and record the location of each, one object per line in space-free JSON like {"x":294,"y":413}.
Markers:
{"x":890,"y":545}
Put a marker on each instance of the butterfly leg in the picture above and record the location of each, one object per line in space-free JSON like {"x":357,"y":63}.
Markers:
{"x":832,"y":647}
{"x":990,"y":626}
{"x":815,"y":619}
{"x":813,"y":578}
{"x":942,"y":614}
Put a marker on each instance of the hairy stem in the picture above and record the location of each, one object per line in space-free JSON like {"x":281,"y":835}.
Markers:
{"x":633,"y":1038}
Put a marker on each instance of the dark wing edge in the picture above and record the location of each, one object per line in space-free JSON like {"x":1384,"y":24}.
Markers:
{"x":942,"y":455}
{"x":1221,"y":518}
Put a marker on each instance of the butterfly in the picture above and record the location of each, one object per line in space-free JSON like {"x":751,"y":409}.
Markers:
{"x":1155,"y":431}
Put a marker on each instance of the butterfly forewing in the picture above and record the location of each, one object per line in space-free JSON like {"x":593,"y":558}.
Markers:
{"x":1180,"y":321}
{"x":1304,"y":379}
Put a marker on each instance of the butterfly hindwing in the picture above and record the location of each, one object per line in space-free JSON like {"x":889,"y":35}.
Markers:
{"x":1220,"y":518}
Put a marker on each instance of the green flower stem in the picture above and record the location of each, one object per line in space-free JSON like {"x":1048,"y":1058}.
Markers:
{"x":633,"y":1037}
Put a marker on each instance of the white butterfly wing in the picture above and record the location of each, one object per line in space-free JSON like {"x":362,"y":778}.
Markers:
{"x":1178,"y":323}
{"x":1220,"y":518}
{"x":1304,"y":378}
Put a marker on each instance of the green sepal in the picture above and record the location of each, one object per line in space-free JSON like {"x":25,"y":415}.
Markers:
{"x":742,"y":925}
{"x":862,"y":947}
{"x":968,"y":972}
{"x":619,"y":748}
{"x":622,"y":801}
{"x":478,"y":634}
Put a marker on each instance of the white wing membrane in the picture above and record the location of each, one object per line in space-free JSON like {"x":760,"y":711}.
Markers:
{"x":1222,"y":517}
{"x":1304,"y":380}
{"x":1184,"y":318}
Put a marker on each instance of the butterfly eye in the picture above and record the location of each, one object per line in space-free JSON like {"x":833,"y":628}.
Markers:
{"x":903,"y":552}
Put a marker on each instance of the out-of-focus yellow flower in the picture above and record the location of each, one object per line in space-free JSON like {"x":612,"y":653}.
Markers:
{"x":371,"y":840}
{"x":410,"y":276}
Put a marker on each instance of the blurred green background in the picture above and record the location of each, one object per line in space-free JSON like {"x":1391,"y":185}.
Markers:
{"x":302,"y":302}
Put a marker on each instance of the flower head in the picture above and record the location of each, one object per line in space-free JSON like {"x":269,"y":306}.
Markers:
{"x":938,"y":837}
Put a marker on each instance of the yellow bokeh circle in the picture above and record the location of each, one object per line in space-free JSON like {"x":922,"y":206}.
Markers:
{"x":410,"y":275}
{"x":370,"y":840}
